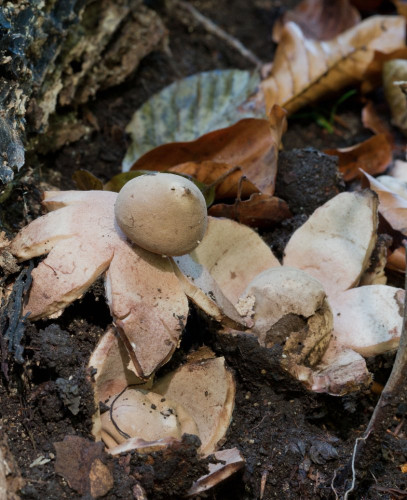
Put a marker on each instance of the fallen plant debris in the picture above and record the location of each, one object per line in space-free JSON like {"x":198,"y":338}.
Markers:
{"x":372,"y":156}
{"x":251,"y":144}
{"x":305,"y":70}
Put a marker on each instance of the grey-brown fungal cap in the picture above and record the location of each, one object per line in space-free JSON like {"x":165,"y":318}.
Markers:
{"x":162,"y":213}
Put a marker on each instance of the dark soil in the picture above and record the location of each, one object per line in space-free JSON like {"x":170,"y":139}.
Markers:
{"x":293,"y":441}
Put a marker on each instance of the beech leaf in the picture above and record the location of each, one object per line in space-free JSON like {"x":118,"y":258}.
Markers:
{"x":373,"y":76}
{"x":190,"y":108}
{"x":251,"y":144}
{"x":260,"y":210}
{"x":373,"y":156}
{"x":305,"y":70}
{"x":209,"y":173}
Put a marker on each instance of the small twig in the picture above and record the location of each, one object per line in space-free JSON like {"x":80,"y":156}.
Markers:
{"x":215,"y":30}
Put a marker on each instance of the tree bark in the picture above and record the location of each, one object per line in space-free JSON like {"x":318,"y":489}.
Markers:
{"x":55,"y":55}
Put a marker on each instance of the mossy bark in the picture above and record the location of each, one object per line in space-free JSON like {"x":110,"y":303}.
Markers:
{"x":55,"y":55}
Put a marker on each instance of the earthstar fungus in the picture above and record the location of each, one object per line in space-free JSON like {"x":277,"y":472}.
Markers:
{"x":83,"y":240}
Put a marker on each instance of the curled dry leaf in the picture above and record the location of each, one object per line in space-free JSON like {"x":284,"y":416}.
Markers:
{"x":373,"y":156}
{"x":392,"y":206}
{"x":251,"y":144}
{"x":260,"y":210}
{"x":375,"y":312}
{"x":208,"y":172}
{"x":319,"y":19}
{"x":83,"y":241}
{"x":305,"y":70}
{"x":396,"y":71}
{"x":233,"y":254}
{"x":289,"y":307}
{"x":336,"y":242}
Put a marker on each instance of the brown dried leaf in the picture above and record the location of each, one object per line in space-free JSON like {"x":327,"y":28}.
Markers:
{"x":392,"y":206}
{"x":80,"y":462}
{"x":251,"y":144}
{"x":260,"y":210}
{"x":209,"y":172}
{"x":305,"y":70}
{"x":373,"y":156}
{"x":319,"y":19}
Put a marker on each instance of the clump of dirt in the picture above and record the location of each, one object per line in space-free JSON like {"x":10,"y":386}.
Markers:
{"x":307,"y":179}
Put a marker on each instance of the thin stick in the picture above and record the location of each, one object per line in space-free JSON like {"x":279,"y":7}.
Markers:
{"x":352,"y":486}
{"x":215,"y":30}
